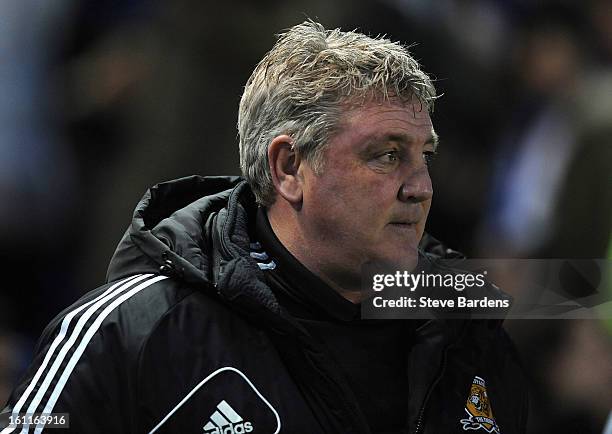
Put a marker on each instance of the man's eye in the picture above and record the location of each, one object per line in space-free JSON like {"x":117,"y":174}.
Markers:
{"x":429,"y":156}
{"x":388,"y":157}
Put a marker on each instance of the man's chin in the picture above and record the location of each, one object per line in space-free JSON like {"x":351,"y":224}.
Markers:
{"x":407,"y":262}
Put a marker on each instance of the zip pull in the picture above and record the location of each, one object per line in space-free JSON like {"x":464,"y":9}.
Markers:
{"x":168,"y":267}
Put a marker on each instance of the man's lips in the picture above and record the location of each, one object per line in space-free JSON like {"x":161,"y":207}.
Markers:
{"x":403,"y":226}
{"x":405,"y":221}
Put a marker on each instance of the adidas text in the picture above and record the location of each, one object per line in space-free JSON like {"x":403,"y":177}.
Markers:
{"x":239,"y":428}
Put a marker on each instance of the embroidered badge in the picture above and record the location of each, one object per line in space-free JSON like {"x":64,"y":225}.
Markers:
{"x":478,"y":409}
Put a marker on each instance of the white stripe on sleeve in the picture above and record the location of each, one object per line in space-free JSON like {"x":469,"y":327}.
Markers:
{"x":57,"y":341}
{"x":83,"y":344}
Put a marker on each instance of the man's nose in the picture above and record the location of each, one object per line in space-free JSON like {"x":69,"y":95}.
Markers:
{"x":417,"y":186}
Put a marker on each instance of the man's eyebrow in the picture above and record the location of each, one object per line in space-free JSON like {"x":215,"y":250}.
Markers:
{"x":433,"y":140}
{"x":375,"y":141}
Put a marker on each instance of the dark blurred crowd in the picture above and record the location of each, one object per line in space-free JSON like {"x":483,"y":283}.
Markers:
{"x":102,"y":99}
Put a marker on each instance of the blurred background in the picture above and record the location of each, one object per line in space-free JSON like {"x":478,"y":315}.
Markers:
{"x":102,"y":99}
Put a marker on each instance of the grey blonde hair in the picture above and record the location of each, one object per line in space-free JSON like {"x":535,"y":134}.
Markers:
{"x":304,"y":84}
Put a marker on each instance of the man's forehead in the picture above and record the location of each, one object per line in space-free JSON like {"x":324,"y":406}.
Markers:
{"x":413,"y":112}
{"x":389,"y":121}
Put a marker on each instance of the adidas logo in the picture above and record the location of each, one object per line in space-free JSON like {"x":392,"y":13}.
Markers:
{"x":225,"y":420}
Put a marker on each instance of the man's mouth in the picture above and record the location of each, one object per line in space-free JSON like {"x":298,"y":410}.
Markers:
{"x":406,"y":222}
{"x":403,"y":225}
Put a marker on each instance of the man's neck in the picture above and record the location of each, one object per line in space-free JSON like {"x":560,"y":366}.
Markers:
{"x":291,"y":236}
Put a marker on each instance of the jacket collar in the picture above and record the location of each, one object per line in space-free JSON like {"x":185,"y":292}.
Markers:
{"x":197,"y":228}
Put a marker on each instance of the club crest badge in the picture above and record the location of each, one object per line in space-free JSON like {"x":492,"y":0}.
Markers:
{"x":478,"y":409}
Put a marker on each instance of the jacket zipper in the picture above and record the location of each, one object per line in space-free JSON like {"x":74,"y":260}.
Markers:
{"x":218,"y":259}
{"x":419,"y":424}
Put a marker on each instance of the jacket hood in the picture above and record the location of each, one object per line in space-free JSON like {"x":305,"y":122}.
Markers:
{"x":196,"y":230}
{"x":170,"y":229}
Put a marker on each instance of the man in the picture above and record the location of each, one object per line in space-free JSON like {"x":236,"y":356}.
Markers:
{"x":232,"y":306}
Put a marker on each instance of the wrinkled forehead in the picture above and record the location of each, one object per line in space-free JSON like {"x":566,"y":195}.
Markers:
{"x":373,"y":98}
{"x":388,"y":117}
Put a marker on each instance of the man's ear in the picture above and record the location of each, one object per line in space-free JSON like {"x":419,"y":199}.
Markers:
{"x":284,"y":164}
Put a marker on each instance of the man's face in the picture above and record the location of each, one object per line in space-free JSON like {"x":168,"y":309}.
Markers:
{"x":370,"y":203}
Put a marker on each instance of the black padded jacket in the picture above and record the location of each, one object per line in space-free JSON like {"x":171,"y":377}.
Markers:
{"x":186,"y":337}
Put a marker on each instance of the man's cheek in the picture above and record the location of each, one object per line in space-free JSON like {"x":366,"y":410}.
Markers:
{"x":426,"y":208}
